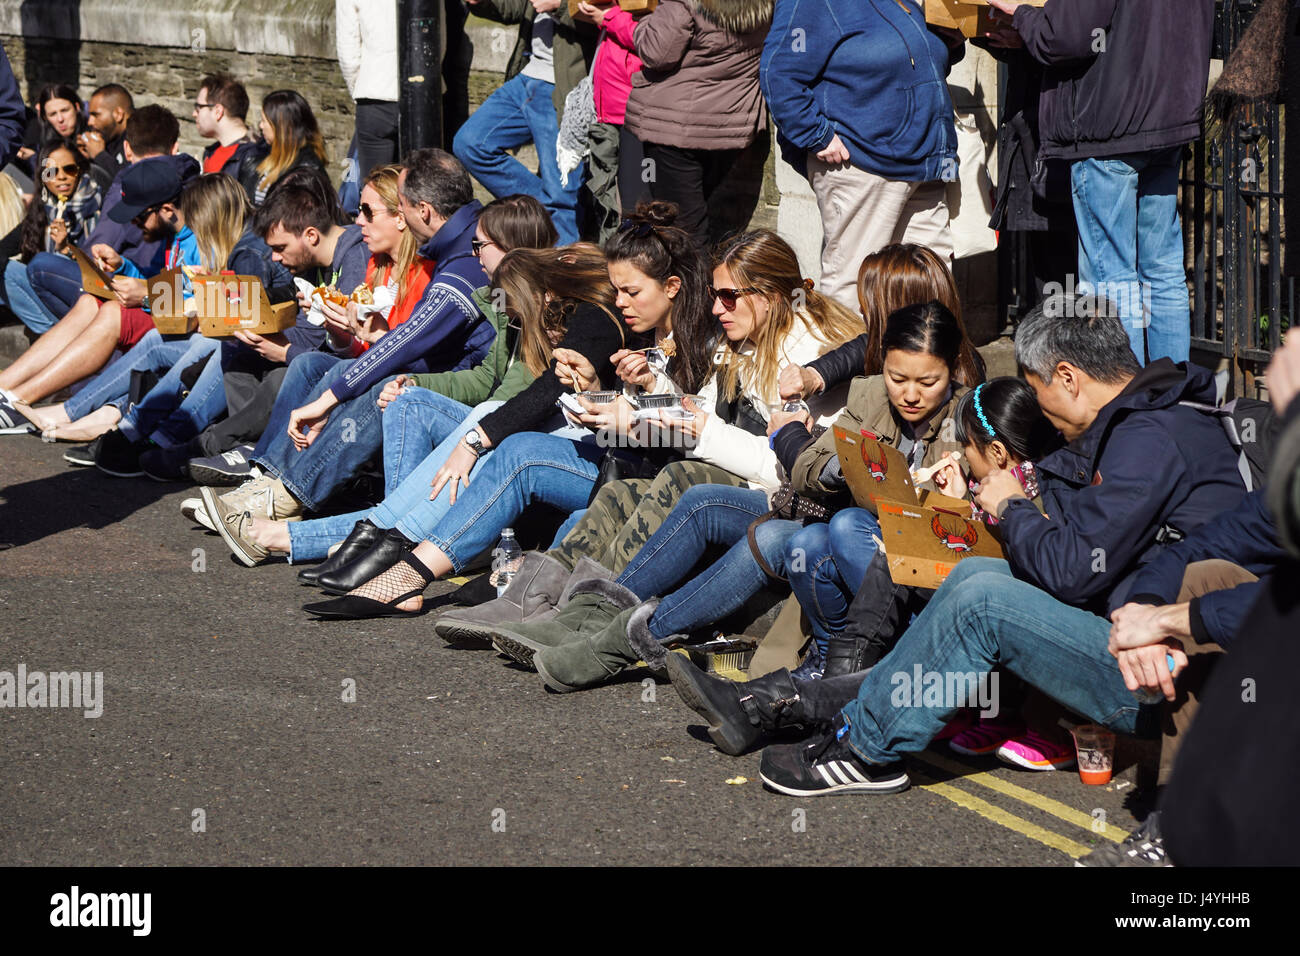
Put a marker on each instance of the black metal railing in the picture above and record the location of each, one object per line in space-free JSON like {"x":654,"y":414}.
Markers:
{"x":1233,"y":229}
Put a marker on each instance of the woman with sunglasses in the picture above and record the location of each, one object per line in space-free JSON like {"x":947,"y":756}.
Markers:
{"x":395,"y":266}
{"x":62,"y":216}
{"x":659,"y":283}
{"x":769,"y":318}
{"x":292,"y":137}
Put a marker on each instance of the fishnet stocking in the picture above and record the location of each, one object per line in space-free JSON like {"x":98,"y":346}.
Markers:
{"x":401,"y":578}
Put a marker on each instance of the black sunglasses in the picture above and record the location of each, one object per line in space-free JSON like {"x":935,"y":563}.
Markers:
{"x":49,"y":172}
{"x":729,"y":297}
{"x":366,"y":212}
{"x":144,"y":215}
{"x":478,"y":245}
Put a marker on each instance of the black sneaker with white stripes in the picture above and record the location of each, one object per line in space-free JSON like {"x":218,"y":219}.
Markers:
{"x":828,"y":765}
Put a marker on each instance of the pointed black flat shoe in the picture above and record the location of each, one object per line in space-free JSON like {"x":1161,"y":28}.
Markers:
{"x":351,"y":607}
{"x":361,"y":539}
{"x":381,"y":556}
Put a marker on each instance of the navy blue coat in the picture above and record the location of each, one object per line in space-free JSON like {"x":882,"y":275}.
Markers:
{"x":1143,"y":93}
{"x":1146,"y":462}
{"x":13,"y":112}
{"x":1246,"y":536}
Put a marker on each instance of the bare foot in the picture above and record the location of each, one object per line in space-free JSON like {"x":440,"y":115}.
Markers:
{"x":272,"y":535}
{"x":86,"y":428}
{"x":43,"y":418}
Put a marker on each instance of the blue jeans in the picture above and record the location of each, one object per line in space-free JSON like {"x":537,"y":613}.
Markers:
{"x":348,"y":440}
{"x":527,"y":467}
{"x":826,"y":563}
{"x":420,"y":430}
{"x":1131,"y":246}
{"x":112,"y":386}
{"x":521,"y":111}
{"x":982,"y":618}
{"x":169,"y":417}
{"x":24,"y":302}
{"x":706,"y":515}
{"x":56,"y":280}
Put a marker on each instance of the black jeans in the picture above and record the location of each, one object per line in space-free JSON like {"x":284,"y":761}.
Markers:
{"x":376,"y":135}
{"x":251,"y":387}
{"x":688,"y":177}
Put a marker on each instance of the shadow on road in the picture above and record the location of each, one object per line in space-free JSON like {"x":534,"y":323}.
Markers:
{"x":78,"y":498}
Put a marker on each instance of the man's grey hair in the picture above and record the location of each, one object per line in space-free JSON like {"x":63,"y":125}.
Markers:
{"x":438,"y":178}
{"x":1083,"y":330}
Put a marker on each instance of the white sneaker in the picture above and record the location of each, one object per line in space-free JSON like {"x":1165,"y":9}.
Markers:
{"x":193,"y":510}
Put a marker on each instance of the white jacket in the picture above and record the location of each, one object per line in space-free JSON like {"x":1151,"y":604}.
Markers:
{"x":750,"y":456}
{"x":365,"y":36}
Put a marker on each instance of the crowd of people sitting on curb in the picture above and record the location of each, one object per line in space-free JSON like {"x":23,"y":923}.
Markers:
{"x":665,"y":410}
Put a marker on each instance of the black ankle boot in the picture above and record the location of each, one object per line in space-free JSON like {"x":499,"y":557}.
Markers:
{"x":738,"y":714}
{"x":361,"y":539}
{"x":849,"y":655}
{"x":381,"y":556}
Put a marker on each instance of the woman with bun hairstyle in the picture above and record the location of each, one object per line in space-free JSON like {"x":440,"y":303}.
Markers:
{"x":769,"y":318}
{"x":471,"y":503}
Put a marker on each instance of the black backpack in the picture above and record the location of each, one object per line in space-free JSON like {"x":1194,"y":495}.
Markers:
{"x":1252,"y":427}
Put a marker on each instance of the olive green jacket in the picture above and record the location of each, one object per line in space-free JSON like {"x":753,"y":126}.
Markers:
{"x":498,"y":377}
{"x":574,"y":46}
{"x":868,"y":407}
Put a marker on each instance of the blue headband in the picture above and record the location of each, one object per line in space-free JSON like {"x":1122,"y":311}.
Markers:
{"x":979,"y":413}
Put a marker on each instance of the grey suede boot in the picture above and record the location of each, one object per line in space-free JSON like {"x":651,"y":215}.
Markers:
{"x":535,"y":589}
{"x":591,"y":606}
{"x":594,"y":656}
{"x":645,"y":645}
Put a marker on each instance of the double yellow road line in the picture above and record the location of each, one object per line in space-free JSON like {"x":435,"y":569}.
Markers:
{"x":985,"y":779}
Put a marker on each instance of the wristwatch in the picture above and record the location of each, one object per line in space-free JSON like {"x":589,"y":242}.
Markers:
{"x":475,"y":442}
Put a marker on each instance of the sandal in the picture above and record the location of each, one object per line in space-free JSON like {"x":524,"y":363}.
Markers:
{"x":410,"y":572}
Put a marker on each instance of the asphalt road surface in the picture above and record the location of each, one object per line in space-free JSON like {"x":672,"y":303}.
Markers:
{"x":226,"y":738}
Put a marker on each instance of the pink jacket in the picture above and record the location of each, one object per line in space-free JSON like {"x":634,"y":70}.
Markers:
{"x":616,"y":61}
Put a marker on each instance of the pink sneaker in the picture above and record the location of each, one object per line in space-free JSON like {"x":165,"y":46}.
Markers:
{"x":963,"y":721}
{"x":985,"y":737}
{"x":1033,"y":751}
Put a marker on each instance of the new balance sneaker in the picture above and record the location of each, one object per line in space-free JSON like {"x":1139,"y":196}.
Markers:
{"x":813,"y":664}
{"x":82,"y":456}
{"x":225,"y":470}
{"x":828,"y":765}
{"x":1033,"y":751}
{"x":1143,"y":847}
{"x":118,"y":456}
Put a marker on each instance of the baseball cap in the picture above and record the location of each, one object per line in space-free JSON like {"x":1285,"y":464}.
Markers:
{"x":149,"y":182}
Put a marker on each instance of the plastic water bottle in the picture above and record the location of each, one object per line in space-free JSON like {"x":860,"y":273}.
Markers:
{"x":507,"y":556}
{"x":1145,"y":696}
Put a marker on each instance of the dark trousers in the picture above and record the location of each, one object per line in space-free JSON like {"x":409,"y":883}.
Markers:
{"x":688,"y":177}
{"x":376,"y":135}
{"x":1231,"y":799}
{"x":252,"y":383}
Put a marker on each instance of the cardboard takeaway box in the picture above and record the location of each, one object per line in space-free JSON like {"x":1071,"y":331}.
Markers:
{"x":971,"y":17}
{"x":93,"y":279}
{"x":217,"y":306}
{"x":634,"y":7}
{"x":925,"y":540}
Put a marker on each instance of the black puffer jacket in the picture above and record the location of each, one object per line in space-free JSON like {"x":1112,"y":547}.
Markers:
{"x":1124,"y":76}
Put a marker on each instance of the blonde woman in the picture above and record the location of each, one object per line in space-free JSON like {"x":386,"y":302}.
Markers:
{"x":292,"y":137}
